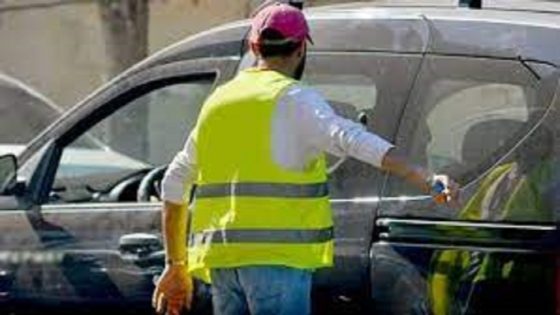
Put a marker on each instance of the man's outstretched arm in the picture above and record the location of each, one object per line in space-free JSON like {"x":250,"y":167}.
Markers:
{"x":327,"y":131}
{"x":399,"y":166}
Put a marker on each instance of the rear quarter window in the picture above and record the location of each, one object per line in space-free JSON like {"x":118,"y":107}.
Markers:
{"x":480,"y":121}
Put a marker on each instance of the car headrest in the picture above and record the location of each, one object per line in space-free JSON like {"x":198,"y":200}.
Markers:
{"x":497,"y":136}
{"x":483,"y":139}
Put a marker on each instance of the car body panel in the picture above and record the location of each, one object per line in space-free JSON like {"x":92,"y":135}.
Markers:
{"x":514,"y":35}
{"x":56,"y":259}
{"x":371,"y":31}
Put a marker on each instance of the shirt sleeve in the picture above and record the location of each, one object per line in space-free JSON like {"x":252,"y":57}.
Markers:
{"x":327,"y":131}
{"x":180,"y":174}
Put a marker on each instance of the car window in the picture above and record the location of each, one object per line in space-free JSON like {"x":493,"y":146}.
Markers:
{"x":470,"y":123}
{"x":464,"y":118}
{"x":348,"y":94}
{"x":144,"y":134}
{"x":361,"y":83}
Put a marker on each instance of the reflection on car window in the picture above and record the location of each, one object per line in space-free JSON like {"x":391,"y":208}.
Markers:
{"x":471,"y":122}
{"x":145,"y":133}
{"x":348,"y":94}
{"x":477,"y":120}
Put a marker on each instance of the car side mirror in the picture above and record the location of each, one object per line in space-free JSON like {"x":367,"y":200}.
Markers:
{"x":8,"y":173}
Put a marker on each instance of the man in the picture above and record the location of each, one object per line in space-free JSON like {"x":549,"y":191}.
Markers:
{"x":261,"y":219}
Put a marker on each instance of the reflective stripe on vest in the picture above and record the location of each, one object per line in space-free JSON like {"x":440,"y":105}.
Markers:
{"x":263,"y":190}
{"x":262,"y":236}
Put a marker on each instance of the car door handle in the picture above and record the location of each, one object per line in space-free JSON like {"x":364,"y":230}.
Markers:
{"x":140,"y":244}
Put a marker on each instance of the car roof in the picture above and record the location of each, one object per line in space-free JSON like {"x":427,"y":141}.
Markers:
{"x":515,"y":30}
{"x":505,"y":29}
{"x":533,"y":12}
{"x":549,"y":6}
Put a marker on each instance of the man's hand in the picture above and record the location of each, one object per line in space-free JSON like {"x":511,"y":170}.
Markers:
{"x":444,"y":190}
{"x":174,"y":290}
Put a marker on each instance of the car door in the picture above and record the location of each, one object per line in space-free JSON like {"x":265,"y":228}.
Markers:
{"x":375,"y":86}
{"x":89,"y":238}
{"x":491,"y":125}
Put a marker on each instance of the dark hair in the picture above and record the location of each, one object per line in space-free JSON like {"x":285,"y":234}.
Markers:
{"x":284,"y":49}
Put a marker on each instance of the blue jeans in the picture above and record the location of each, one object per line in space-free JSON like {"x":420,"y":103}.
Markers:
{"x":261,"y":290}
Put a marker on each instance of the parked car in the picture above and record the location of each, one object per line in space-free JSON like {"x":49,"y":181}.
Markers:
{"x":472,"y":93}
{"x":24,"y":112}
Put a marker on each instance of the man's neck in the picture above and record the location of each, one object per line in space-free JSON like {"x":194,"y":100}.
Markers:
{"x":276,"y":64}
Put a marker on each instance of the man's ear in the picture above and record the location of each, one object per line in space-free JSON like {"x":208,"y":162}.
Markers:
{"x":301,"y":49}
{"x":254,"y":48}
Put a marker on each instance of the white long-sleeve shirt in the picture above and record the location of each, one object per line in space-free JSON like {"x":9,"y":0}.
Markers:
{"x":303,"y":126}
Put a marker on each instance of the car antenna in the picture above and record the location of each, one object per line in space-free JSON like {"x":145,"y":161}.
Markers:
{"x":472,"y":4}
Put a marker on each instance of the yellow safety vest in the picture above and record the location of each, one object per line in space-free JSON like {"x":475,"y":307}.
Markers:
{"x":248,"y":210}
{"x":448,"y":265}
{"x":523,"y":203}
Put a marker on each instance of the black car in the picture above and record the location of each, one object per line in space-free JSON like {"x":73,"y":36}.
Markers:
{"x":470,"y":93}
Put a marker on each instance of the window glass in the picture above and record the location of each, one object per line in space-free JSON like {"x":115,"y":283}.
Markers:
{"x":472,"y":119}
{"x":144,"y":134}
{"x":348,"y":94}
{"x":471,"y":122}
{"x":361,"y":83}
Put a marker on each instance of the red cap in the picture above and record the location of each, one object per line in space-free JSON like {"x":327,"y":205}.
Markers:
{"x":283,"y":18}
